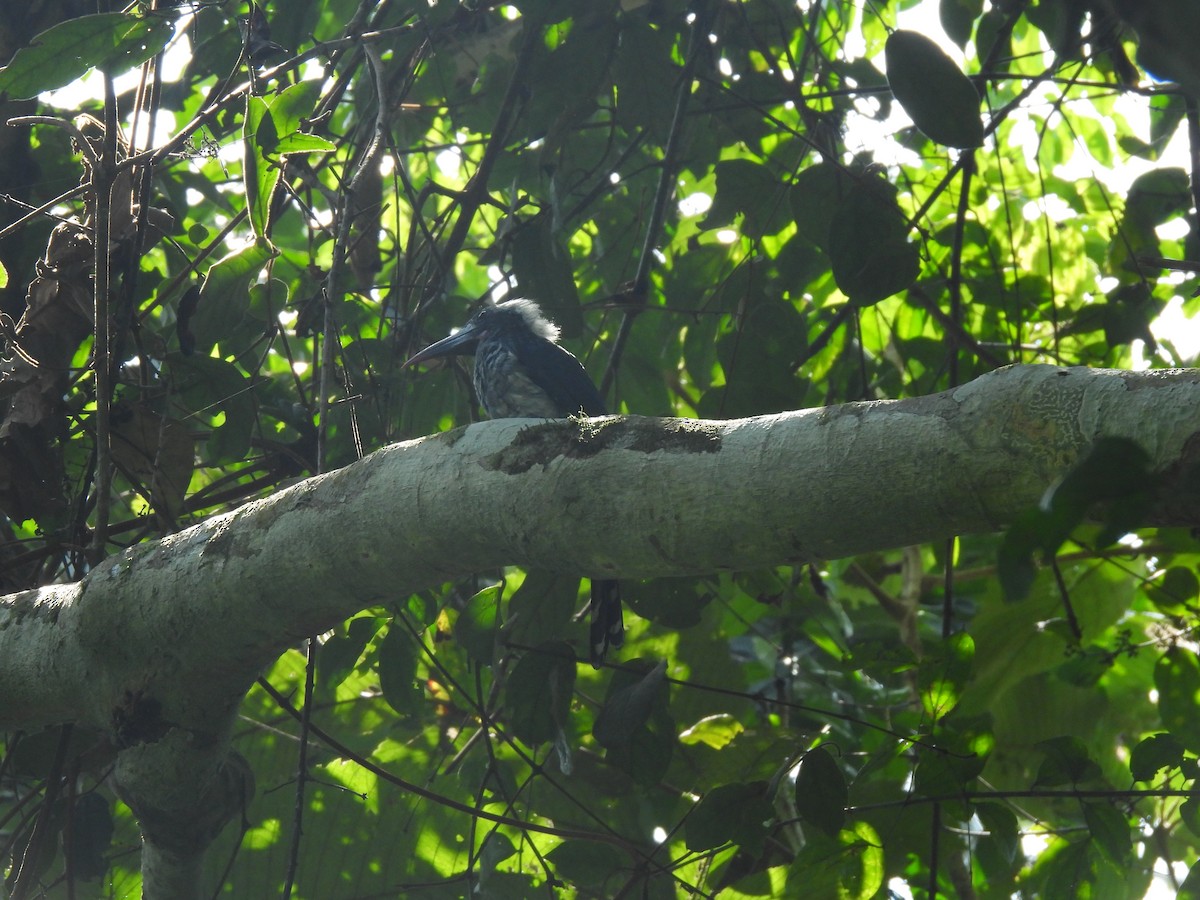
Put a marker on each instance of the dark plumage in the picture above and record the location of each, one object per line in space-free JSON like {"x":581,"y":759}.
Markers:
{"x":522,"y":372}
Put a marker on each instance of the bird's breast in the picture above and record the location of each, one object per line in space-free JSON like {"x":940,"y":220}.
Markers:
{"x":505,"y":390}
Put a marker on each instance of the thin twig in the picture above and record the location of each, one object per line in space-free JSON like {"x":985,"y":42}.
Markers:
{"x":305,"y":714}
{"x":345,"y":216}
{"x":103,"y":176}
{"x":663,"y":193}
{"x":27,"y":871}
{"x":34,"y":212}
{"x":475,"y":192}
{"x":84,"y":146}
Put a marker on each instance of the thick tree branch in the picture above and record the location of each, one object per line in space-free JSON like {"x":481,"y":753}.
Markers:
{"x":225,"y":596}
{"x":156,"y":646}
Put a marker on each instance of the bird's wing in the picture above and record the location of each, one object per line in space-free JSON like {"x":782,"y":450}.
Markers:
{"x":562,"y":377}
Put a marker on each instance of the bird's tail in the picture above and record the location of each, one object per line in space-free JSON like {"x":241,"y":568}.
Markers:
{"x":608,"y":623}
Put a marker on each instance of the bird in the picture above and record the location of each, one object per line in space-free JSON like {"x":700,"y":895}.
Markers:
{"x":521,"y":371}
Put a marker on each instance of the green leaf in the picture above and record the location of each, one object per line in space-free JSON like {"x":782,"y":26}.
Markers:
{"x":1014,"y":563}
{"x":398,"y":672}
{"x":868,"y":244}
{"x":1114,"y":474}
{"x":628,"y":707}
{"x":1166,"y":31}
{"x":821,"y":792}
{"x":816,"y":195}
{"x":674,"y":603}
{"x":944,"y":672}
{"x":3,"y":276}
{"x":1110,"y":830}
{"x":1059,"y":22}
{"x":57,"y":56}
{"x":209,"y":386}
{"x":715,"y":731}
{"x":291,"y":106}
{"x":588,"y":864}
{"x":1189,"y":815}
{"x":934,"y":92}
{"x":644,"y":69}
{"x":1174,"y":590}
{"x":299,"y":142}
{"x":1067,"y":762}
{"x":537,"y":695}
{"x":340,"y":653}
{"x":1156,"y":197}
{"x":990,"y":29}
{"x":271,"y":132}
{"x":260,"y":173}
{"x":225,"y":297}
{"x":1177,"y":679}
{"x":1068,"y":870}
{"x":947,"y":775}
{"x":478,"y":624}
{"x":848,"y":868}
{"x":635,"y":725}
{"x":1159,"y":751}
{"x":958,"y":17}
{"x":1189,"y":888}
{"x":541,"y":608}
{"x":737,"y":813}
{"x":544,"y":273}
{"x":496,"y":848}
{"x":1167,"y":111}
{"x":998,"y":852}
{"x":751,"y":190}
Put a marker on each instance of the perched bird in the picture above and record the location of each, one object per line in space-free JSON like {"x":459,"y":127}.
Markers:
{"x":522,"y":372}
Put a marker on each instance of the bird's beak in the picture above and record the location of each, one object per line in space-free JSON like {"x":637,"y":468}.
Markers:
{"x":462,"y":341}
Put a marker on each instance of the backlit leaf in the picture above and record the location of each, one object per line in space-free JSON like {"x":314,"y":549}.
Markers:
{"x":934,"y":92}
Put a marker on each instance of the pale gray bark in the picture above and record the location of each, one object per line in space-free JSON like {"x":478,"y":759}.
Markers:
{"x":157,"y":646}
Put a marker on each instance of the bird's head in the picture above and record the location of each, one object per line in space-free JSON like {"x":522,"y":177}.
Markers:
{"x":512,"y":318}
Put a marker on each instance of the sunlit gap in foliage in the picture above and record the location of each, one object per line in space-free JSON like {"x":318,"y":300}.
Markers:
{"x":696,"y":204}
{"x":90,"y":87}
{"x":449,"y":162}
{"x":1178,"y":337}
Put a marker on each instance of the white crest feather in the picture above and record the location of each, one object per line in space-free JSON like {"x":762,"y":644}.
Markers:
{"x":532,"y":314}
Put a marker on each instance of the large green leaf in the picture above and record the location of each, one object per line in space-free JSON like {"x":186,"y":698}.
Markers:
{"x":1112,"y":478}
{"x":869,"y":246}
{"x":478,"y":624}
{"x":543,"y":269}
{"x":113,"y":42}
{"x":537,"y":696}
{"x":821,"y":793}
{"x":225,"y":298}
{"x":635,"y":725}
{"x":736,"y":813}
{"x":934,"y":92}
{"x":850,"y":866}
{"x":751,"y":190}
{"x":272,"y":131}
{"x":208,"y":387}
{"x":1177,"y":680}
{"x":398,"y":672}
